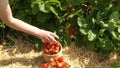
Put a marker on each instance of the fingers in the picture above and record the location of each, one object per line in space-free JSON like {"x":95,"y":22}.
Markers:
{"x":54,"y":35}
{"x":51,"y":38}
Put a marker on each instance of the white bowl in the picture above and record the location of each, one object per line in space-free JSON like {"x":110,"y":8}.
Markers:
{"x":47,"y":56}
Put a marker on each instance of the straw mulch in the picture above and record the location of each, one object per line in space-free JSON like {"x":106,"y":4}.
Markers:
{"x":24,"y":55}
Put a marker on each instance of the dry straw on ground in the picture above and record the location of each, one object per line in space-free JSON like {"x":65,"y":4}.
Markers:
{"x":24,"y":55}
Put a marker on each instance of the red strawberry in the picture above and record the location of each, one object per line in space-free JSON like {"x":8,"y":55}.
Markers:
{"x":53,"y":51}
{"x":59,"y":65}
{"x":56,"y":59}
{"x":57,"y":44}
{"x":64,"y":67}
{"x":43,"y":66}
{"x":64,"y":63}
{"x":45,"y":44}
{"x":48,"y":46}
{"x":52,"y":46}
{"x":51,"y":60}
{"x":46,"y":51}
{"x":56,"y":51}
{"x":60,"y":59}
{"x":57,"y":48}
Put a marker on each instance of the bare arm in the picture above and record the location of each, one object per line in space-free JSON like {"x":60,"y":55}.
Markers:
{"x":9,"y":20}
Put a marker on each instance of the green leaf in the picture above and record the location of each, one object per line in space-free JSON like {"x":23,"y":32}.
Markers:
{"x":53,"y":2}
{"x":118,"y":38}
{"x":116,"y":65}
{"x":83,"y":31}
{"x":2,"y":25}
{"x":57,"y":3}
{"x":34,"y":7}
{"x":81,"y":22}
{"x":114,"y":34}
{"x":118,"y":23}
{"x":91,"y":35}
{"x":111,"y":26}
{"x":100,"y":42}
{"x":42,"y":7}
{"x":54,"y":10}
{"x":74,"y":13}
{"x":114,"y":16}
{"x":103,"y":24}
{"x":38,"y":44}
{"x":75,"y":2}
{"x":101,"y":32}
{"x":99,"y":15}
{"x":64,"y":5}
{"x":119,"y":29}
{"x":93,"y":21}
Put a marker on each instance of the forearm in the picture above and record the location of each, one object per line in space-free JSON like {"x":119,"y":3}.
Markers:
{"x":9,"y":20}
{"x":22,"y":26}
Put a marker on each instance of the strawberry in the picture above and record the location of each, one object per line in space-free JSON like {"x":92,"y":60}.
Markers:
{"x":56,"y":51}
{"x":57,"y":48}
{"x":56,"y":62}
{"x":73,"y":31}
{"x":43,"y":66}
{"x":64,"y":67}
{"x":59,"y":65}
{"x":55,"y":59}
{"x":52,"y":46}
{"x":45,"y":44}
{"x":57,"y":44}
{"x":64,"y":63}
{"x":46,"y":51}
{"x":60,"y":59}
{"x":53,"y":51}
{"x":50,"y":50}
{"x":51,"y":60}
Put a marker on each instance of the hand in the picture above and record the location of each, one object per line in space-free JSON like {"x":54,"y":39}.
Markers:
{"x":47,"y":36}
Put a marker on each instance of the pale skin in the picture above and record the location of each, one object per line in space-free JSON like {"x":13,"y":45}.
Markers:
{"x":8,"y":19}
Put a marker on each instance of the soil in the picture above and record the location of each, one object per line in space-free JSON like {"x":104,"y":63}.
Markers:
{"x":24,"y":55}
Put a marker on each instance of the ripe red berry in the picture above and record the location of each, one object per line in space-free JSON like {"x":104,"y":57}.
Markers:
{"x":57,"y":48}
{"x":55,"y":59}
{"x":52,"y":46}
{"x":60,"y":59}
{"x":64,"y":63}
{"x":43,"y":66}
{"x":59,"y":65}
{"x":46,"y":51}
{"x":57,"y":44}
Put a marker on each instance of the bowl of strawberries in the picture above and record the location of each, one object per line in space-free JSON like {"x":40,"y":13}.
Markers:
{"x":57,"y":62}
{"x":51,"y":50}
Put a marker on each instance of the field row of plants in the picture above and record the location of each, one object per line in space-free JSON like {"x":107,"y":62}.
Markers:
{"x":94,"y":24}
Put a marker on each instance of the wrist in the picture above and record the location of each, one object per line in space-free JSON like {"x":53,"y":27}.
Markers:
{"x":38,"y":33}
